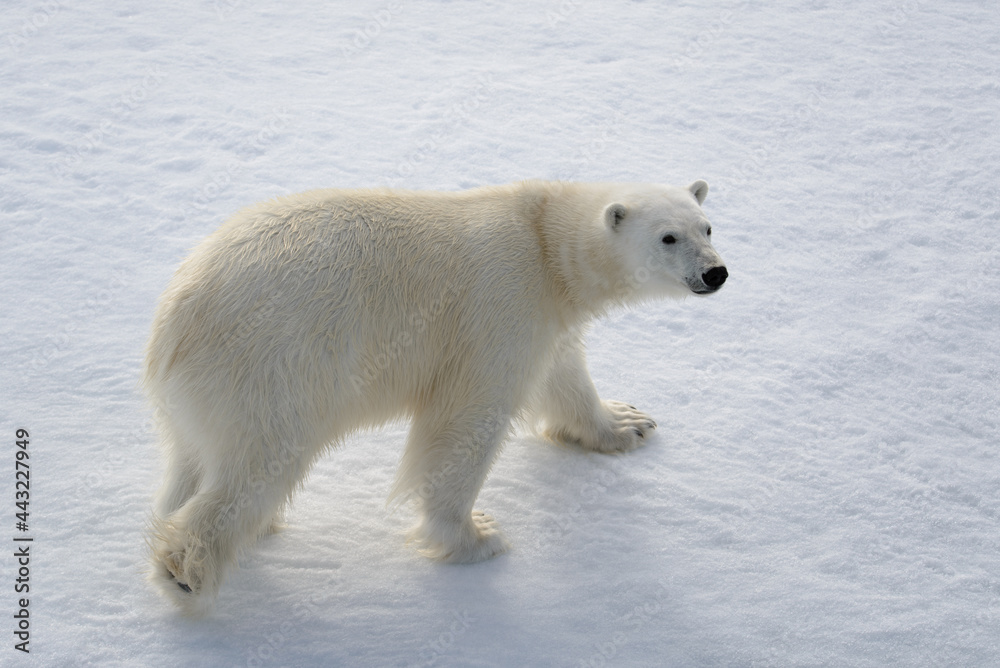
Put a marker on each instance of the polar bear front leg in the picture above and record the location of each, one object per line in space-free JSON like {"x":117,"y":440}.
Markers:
{"x":571,"y":411}
{"x":443,"y":469}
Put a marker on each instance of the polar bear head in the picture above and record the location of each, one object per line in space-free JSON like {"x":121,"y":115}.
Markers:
{"x":665,"y":240}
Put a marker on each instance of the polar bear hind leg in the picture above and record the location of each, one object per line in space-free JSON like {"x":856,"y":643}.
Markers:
{"x":181,"y":482}
{"x":238,"y":500}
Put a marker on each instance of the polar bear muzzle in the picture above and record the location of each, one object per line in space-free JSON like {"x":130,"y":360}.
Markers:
{"x":715,"y":277}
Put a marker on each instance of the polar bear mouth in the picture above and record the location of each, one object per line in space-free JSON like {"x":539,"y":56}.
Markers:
{"x":700,"y":288}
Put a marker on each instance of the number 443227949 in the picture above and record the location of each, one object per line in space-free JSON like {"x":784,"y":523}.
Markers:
{"x":22,"y":476}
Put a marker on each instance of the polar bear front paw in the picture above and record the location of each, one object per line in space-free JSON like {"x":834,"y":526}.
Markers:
{"x":616,"y":427}
{"x":625,"y":428}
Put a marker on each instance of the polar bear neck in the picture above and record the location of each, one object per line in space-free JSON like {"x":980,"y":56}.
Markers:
{"x":581,"y":259}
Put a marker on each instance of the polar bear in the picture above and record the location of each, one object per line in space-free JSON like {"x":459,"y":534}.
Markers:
{"x":309,"y":317}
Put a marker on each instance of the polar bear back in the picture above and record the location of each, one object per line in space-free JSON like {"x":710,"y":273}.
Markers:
{"x":373,"y":291}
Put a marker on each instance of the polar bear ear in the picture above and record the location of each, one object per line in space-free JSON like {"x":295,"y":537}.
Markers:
{"x":614,"y":214}
{"x":699,"y":189}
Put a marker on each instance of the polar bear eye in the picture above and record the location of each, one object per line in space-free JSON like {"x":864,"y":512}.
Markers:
{"x":669,"y":239}
{"x":709,"y":231}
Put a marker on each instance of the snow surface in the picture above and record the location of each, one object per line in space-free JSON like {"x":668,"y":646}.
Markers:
{"x":823,"y":486}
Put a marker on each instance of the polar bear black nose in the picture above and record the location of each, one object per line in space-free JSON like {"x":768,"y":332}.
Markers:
{"x":715,"y":277}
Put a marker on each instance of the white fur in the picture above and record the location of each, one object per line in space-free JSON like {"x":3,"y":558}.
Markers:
{"x":309,"y":317}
